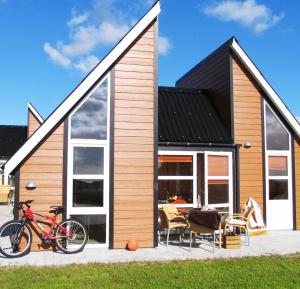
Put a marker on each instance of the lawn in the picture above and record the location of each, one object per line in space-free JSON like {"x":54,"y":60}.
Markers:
{"x":257,"y":272}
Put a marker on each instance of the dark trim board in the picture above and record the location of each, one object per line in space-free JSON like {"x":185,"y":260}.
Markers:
{"x":155,"y":151}
{"x":111,"y":158}
{"x":16,"y":195}
{"x":65,"y":166}
{"x":293,"y":182}
{"x":195,"y":148}
{"x":237,"y":195}
{"x":264,"y":159}
{"x":231,"y":96}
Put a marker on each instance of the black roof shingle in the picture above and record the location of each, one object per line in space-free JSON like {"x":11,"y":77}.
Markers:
{"x":187,"y":116}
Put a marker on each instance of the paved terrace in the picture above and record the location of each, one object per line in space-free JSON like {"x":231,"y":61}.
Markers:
{"x":275,"y":242}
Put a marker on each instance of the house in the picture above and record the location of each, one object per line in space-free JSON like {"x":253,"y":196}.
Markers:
{"x":119,"y":147}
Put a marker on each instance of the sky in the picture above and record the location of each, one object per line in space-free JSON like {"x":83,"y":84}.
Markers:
{"x":47,"y":47}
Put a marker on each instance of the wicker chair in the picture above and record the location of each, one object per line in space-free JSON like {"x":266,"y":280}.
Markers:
{"x":171,"y":219}
{"x":240,"y":221}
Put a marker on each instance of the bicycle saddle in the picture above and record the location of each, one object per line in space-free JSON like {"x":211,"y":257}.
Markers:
{"x":56,"y":209}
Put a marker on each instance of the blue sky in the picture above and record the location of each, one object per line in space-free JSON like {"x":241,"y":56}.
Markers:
{"x":47,"y":47}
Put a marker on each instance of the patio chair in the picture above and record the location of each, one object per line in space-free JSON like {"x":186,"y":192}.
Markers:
{"x":4,"y":193}
{"x":239,"y":221}
{"x":213,"y":227}
{"x":171,"y":219}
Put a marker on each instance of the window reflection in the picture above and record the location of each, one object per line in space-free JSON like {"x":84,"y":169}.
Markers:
{"x":90,"y":120}
{"x":277,"y":136}
{"x":88,"y":161}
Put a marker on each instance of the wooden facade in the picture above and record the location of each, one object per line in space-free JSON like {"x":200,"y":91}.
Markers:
{"x":44,"y":167}
{"x":247,"y":111}
{"x":33,"y":123}
{"x":135,"y":86}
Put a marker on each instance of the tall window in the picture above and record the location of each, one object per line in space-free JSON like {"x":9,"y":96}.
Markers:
{"x":175,"y":179}
{"x":219,"y":180}
{"x":88,"y":162}
{"x":277,"y":157}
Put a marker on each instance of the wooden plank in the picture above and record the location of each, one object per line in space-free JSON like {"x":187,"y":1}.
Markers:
{"x":134,"y":118}
{"x":133,"y":132}
{"x":134,"y":104}
{"x":135,"y":82}
{"x":134,"y":75}
{"x":134,"y":68}
{"x":134,"y":147}
{"x":134,"y":111}
{"x":133,"y":89}
{"x":133,"y":140}
{"x":42,"y":176}
{"x":42,"y":168}
{"x":133,"y":185}
{"x":142,"y":162}
{"x":125,"y":125}
{"x":134,"y":192}
{"x":134,"y":177}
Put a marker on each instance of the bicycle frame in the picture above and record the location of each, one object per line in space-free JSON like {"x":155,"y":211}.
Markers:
{"x":30,"y":215}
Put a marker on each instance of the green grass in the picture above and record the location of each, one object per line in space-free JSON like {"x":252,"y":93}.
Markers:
{"x":261,"y":272}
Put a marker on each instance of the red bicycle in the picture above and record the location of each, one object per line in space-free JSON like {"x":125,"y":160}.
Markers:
{"x":70,"y":235}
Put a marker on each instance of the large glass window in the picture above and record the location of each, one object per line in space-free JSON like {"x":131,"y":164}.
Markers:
{"x":88,"y":163}
{"x":277,"y":136}
{"x":277,"y":157}
{"x":278,"y":166}
{"x":96,"y":227}
{"x":90,"y":119}
{"x":175,"y":179}
{"x":218,"y":180}
{"x":87,"y":193}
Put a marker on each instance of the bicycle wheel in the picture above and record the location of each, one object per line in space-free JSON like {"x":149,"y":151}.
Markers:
{"x":15,"y":239}
{"x":71,"y":236}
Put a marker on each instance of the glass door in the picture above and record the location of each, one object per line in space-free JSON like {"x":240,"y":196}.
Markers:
{"x":218,"y":191}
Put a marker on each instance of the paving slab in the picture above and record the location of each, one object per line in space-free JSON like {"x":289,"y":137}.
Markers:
{"x":274,"y":242}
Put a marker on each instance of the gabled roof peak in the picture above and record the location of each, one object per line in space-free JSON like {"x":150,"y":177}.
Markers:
{"x":80,"y":91}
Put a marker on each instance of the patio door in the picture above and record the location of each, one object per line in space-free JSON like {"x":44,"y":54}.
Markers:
{"x":279,"y":199}
{"x":279,"y":204}
{"x":218,"y":192}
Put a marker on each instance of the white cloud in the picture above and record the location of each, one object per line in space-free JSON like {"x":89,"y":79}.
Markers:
{"x":164,"y":45}
{"x":248,"y":13}
{"x":86,"y":64}
{"x":78,"y":19}
{"x":56,"y":56}
{"x":102,"y":26}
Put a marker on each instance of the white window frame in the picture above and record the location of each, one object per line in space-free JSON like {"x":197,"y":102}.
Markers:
{"x":228,"y":178}
{"x":283,"y":153}
{"x":104,"y":210}
{"x":194,"y":177}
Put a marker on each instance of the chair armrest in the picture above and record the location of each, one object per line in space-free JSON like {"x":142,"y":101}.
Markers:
{"x":178,"y":217}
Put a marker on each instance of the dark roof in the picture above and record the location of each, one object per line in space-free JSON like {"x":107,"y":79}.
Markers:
{"x":187,"y":115}
{"x":12,"y":137}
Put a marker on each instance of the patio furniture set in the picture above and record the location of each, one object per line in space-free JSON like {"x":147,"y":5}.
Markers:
{"x":224,"y":228}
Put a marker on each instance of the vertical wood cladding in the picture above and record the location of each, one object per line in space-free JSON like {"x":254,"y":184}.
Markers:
{"x":134,"y":143}
{"x":33,"y":123}
{"x":45,"y":168}
{"x":213,"y":73}
{"x":297,"y":180}
{"x":248,"y":127}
